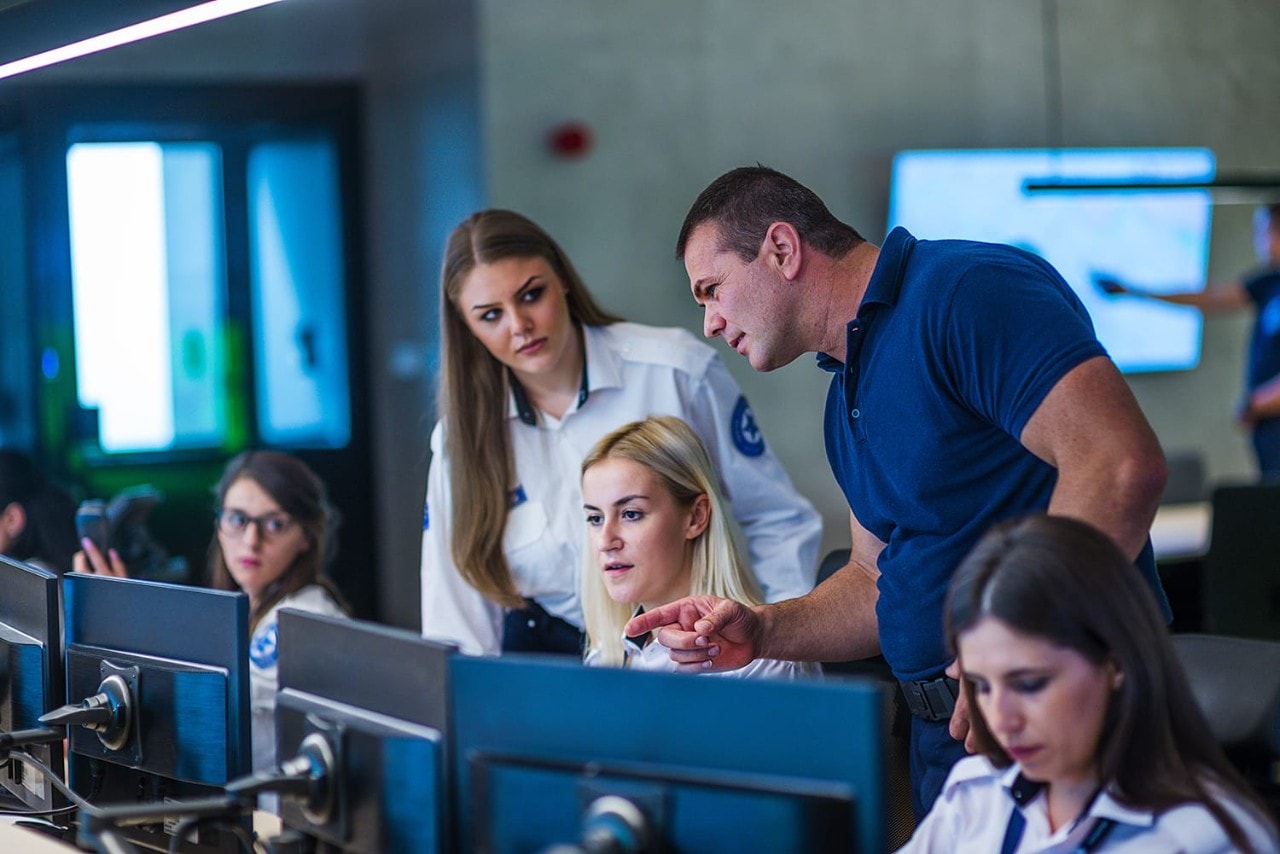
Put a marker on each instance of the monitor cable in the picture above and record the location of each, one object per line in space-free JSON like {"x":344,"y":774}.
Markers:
{"x":309,"y":778}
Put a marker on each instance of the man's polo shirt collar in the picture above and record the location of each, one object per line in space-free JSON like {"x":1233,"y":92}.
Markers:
{"x":884,"y":286}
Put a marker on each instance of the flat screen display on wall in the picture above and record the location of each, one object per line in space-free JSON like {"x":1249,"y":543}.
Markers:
{"x":1153,"y":239}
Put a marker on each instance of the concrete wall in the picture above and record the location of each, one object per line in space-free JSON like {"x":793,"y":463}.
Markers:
{"x":678,"y":92}
{"x":461,"y":95}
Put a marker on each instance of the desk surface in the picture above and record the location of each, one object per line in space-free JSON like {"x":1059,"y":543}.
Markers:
{"x":14,"y":838}
{"x":1181,"y":530}
{"x":28,"y":841}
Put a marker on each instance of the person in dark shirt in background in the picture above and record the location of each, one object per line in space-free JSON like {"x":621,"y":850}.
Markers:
{"x":1259,"y":289}
{"x":37,"y":516}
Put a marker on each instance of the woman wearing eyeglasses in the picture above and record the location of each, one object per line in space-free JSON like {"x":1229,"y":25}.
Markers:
{"x":273,"y":535}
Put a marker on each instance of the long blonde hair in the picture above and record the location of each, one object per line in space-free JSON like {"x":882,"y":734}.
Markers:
{"x":474,"y":394}
{"x":670,"y":449}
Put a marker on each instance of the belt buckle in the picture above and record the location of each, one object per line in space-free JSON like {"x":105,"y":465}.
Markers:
{"x":931,"y":699}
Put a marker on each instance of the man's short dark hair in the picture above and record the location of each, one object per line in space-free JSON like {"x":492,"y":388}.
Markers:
{"x":744,"y":202}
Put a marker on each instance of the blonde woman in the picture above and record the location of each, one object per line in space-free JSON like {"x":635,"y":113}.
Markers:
{"x":534,"y":372}
{"x":657,"y":532}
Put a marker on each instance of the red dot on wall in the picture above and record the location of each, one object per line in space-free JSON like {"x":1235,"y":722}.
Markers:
{"x":570,"y":139}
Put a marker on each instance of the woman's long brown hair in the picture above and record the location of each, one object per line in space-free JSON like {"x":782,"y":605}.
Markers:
{"x":1064,"y":581}
{"x":474,"y":395}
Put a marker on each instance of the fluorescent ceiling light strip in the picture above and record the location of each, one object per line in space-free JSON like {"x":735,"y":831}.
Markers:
{"x":132,"y":33}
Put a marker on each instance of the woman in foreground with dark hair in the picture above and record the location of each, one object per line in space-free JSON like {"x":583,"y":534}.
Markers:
{"x":1088,"y":735}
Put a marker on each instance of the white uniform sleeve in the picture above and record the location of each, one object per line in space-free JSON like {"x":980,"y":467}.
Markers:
{"x":941,"y":830}
{"x":950,"y":823}
{"x":770,"y":668}
{"x":782,"y":528}
{"x":452,"y":610}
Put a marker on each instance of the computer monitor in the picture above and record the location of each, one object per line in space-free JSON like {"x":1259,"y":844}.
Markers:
{"x":1154,"y":239}
{"x":181,"y":656}
{"x":1241,"y":584}
{"x":551,"y":751}
{"x":30,"y":674}
{"x":377,"y":700}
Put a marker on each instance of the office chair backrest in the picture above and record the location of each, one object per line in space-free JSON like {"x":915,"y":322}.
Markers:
{"x":1242,"y":568}
{"x":1186,"y":480}
{"x":1236,"y":681}
{"x":831,"y":561}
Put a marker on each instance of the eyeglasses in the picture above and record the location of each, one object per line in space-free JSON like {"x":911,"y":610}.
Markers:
{"x":236,"y":522}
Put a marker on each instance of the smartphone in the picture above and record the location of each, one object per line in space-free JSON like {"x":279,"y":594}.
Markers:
{"x":91,"y":522}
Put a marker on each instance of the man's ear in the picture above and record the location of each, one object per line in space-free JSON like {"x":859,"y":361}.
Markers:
{"x":782,"y":249}
{"x":699,"y":517}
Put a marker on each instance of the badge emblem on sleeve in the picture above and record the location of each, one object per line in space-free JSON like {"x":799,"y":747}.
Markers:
{"x":747,"y":437}
{"x":265,"y":649}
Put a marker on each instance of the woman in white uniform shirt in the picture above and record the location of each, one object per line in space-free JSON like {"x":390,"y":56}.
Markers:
{"x":657,"y":532}
{"x":1088,"y":735}
{"x":274,"y":534}
{"x":534,"y":372}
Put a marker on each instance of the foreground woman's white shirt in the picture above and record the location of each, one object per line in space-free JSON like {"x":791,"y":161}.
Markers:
{"x":973,"y":811}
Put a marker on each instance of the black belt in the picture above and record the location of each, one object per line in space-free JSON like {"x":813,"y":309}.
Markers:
{"x":931,"y":699}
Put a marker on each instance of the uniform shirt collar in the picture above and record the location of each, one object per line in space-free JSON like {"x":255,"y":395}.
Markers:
{"x":644,"y":652}
{"x":604,"y":364}
{"x":635,"y":644}
{"x":1107,"y":806}
{"x":594,"y":352}
{"x":1103,"y":806}
{"x":884,"y":286}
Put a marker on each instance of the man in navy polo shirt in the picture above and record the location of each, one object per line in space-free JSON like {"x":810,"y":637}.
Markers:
{"x":967,"y":387}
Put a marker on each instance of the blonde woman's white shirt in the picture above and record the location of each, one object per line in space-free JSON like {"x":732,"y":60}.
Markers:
{"x":264,"y":653}
{"x":633,"y":372}
{"x":653,"y":656}
{"x":972,"y":814}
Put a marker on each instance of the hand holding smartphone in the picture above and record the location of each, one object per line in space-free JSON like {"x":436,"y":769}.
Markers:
{"x":92,"y":523}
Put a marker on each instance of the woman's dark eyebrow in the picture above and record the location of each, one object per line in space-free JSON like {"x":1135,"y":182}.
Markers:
{"x":530,"y":282}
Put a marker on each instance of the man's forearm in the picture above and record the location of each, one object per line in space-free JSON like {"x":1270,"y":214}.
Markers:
{"x":1264,"y":401}
{"x":834,"y":622}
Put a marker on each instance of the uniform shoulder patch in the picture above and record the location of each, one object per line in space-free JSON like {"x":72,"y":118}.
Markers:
{"x":264,"y":649}
{"x":747,"y":437}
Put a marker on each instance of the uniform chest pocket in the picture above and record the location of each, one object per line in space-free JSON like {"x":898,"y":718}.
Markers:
{"x":540,"y":562}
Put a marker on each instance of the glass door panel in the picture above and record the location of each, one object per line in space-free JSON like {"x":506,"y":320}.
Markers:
{"x":147,"y":282}
{"x":299,"y":301}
